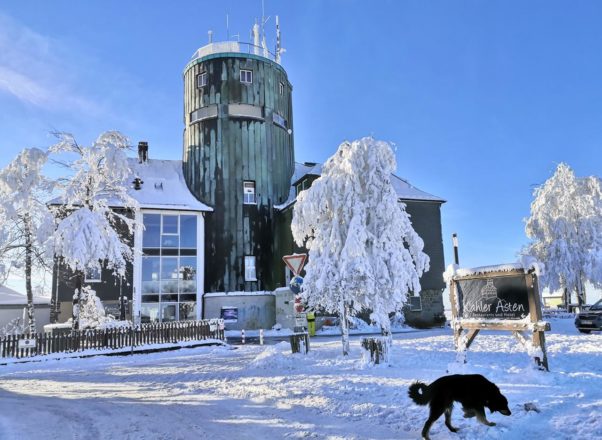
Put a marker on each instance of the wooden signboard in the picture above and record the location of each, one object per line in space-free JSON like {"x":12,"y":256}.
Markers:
{"x":499,"y":300}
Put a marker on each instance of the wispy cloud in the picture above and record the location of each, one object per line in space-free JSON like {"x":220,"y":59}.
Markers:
{"x":36,"y":70}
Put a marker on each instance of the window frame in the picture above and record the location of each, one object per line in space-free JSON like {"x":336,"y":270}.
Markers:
{"x":93,"y":280}
{"x":244,"y":193}
{"x":248,"y":275}
{"x":246,"y":72}
{"x":281,"y":88}
{"x":202,"y":80}
{"x":156,"y":300}
{"x":412,"y":306}
{"x":177,"y":225}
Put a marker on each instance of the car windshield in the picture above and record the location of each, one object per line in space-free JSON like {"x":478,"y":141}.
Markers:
{"x":597,"y":306}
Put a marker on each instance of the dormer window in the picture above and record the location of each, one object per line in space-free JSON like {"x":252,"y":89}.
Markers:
{"x":246,"y":76}
{"x":281,"y":88}
{"x":201,"y":80}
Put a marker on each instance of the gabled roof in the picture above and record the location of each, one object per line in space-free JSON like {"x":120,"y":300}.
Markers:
{"x":164,"y":186}
{"x":9,"y":296}
{"x":404,"y":189}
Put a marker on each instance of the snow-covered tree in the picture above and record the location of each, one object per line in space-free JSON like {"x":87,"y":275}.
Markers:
{"x":363,"y":251}
{"x":23,"y":190}
{"x":565,"y":227}
{"x":88,"y":235}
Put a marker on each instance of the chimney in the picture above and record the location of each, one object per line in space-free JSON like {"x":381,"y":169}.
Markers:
{"x":142,"y":151}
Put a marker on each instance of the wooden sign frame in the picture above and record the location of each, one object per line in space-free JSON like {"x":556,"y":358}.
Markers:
{"x":466,"y":330}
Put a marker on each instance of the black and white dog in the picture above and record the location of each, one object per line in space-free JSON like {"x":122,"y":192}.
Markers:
{"x":473,"y":391}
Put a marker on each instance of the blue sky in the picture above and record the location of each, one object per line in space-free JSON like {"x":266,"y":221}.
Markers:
{"x":482,"y":98}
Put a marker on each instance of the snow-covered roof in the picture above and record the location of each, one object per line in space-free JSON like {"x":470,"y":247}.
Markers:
{"x":526,"y":264}
{"x":9,"y":296}
{"x":405,"y":190}
{"x":164,"y":186}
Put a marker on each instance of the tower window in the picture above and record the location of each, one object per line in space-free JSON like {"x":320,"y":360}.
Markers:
{"x":281,"y":88}
{"x":201,"y":80}
{"x":249,"y":193}
{"x":250,"y":268}
{"x":246,"y":76}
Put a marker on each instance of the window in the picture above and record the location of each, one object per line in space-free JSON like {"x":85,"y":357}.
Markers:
{"x":415,"y":303}
{"x":281,"y":88}
{"x":302,"y":186}
{"x":250,"y":271}
{"x":246,"y":76}
{"x":169,"y":267}
{"x":201,"y":80}
{"x":249,"y":193}
{"x":92,"y":275}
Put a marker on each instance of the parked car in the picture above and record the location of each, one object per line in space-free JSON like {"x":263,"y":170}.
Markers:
{"x":590,"y":319}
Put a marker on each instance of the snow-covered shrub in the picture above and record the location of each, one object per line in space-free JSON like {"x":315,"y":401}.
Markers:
{"x":91,"y":312}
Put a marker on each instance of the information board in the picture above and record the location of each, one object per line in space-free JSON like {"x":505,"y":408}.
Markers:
{"x":501,"y":298}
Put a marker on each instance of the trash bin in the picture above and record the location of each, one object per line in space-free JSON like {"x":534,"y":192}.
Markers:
{"x":311,"y":323}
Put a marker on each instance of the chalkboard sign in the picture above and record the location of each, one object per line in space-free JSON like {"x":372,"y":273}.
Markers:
{"x":500,"y":298}
{"x":497,"y":298}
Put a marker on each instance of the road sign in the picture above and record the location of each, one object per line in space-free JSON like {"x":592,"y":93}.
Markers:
{"x":295,"y":284}
{"x":295,"y":262}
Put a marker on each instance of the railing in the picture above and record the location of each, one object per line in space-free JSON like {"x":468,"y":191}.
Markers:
{"x":233,"y":46}
{"x":110,"y":339}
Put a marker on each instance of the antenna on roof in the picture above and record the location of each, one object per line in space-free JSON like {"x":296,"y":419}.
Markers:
{"x":227,"y":27}
{"x":255,"y":33}
{"x":278,"y":45}
{"x":263,"y":22}
{"x":210,"y":36}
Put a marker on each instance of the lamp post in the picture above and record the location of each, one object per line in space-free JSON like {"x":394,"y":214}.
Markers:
{"x":455,"y":242}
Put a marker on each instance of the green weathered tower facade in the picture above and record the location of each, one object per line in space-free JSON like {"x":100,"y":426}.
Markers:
{"x":238,"y":158}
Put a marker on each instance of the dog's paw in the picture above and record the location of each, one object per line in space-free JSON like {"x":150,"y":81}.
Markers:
{"x":491,"y":423}
{"x":452,"y":429}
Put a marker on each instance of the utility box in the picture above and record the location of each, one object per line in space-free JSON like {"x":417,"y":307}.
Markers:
{"x":285,"y":307}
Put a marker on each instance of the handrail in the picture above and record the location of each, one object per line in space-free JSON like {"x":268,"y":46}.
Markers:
{"x":233,"y":46}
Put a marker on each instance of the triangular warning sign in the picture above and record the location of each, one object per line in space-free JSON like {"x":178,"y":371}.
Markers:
{"x":295,"y":262}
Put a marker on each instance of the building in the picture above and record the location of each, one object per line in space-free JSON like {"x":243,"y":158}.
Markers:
{"x":12,"y":306}
{"x":217,"y":223}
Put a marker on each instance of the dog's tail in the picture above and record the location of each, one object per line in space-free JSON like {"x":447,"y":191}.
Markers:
{"x":419,"y":393}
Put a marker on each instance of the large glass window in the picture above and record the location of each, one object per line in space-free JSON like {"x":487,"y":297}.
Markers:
{"x":152,"y":230}
{"x":188,"y":231}
{"x":169,"y":267}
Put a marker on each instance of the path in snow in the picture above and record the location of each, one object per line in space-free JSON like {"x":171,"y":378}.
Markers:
{"x":265,"y":392}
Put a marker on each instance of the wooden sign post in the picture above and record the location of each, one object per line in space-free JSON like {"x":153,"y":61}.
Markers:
{"x":498,"y":298}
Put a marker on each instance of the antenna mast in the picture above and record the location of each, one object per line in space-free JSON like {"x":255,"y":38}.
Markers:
{"x":278,"y":48}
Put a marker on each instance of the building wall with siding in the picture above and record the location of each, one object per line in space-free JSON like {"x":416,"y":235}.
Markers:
{"x":229,"y":147}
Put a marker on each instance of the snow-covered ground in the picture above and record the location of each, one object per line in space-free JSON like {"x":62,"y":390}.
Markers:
{"x":265,"y":392}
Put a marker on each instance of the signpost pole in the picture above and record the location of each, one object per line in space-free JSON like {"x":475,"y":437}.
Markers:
{"x":455,"y":243}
